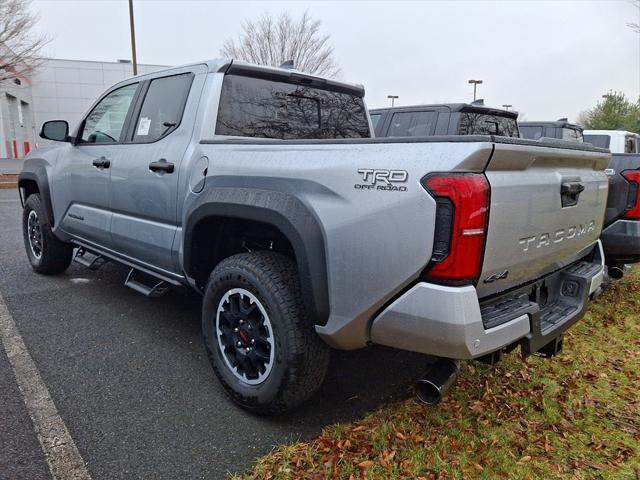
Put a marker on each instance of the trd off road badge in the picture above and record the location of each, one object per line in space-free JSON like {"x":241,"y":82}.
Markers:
{"x":381,"y":179}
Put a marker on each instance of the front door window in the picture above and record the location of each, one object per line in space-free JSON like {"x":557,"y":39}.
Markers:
{"x":106,"y":121}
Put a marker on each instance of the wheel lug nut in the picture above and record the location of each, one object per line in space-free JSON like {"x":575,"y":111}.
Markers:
{"x":241,"y":322}
{"x":235,"y":330}
{"x":253,"y":341}
{"x":239,"y":344}
{"x":248,"y":349}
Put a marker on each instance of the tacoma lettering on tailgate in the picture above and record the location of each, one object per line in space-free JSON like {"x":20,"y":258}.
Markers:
{"x":546,"y":239}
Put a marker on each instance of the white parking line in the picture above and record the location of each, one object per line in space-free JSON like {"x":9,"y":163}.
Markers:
{"x":63,"y":457}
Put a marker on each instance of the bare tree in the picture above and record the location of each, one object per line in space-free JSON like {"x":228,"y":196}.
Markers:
{"x":19,"y":46}
{"x":635,"y":26}
{"x":270,"y":41}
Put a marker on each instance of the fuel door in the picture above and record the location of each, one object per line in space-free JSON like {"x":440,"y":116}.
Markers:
{"x":199,"y":175}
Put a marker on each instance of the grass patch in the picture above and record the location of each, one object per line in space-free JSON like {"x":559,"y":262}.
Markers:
{"x":576,"y":416}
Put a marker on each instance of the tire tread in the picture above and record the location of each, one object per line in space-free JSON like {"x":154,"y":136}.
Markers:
{"x":56,"y":255}
{"x":309,"y":356}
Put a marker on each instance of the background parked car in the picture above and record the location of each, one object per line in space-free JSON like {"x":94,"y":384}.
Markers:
{"x":444,"y":119}
{"x":621,"y":234}
{"x":618,"y":141}
{"x":561,"y":129}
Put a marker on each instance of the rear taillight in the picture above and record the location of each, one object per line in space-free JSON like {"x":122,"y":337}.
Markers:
{"x":632,"y":211}
{"x":462,"y":212}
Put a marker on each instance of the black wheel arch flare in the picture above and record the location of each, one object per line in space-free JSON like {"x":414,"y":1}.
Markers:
{"x":283,"y":211}
{"x":35,"y":170}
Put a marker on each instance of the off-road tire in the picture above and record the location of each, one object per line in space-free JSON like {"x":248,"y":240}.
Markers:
{"x":55,"y":255}
{"x":300,"y":358}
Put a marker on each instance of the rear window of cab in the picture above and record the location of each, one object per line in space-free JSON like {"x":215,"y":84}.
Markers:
{"x":478,"y":123}
{"x":261,"y":108}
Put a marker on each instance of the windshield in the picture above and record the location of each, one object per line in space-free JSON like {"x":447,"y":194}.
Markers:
{"x":256,"y":107}
{"x":602,"y":141}
{"x":475,"y":123}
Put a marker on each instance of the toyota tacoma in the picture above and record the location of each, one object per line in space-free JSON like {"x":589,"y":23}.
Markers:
{"x":262,"y":189}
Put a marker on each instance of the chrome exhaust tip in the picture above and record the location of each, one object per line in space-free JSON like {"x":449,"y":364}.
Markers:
{"x":437,"y":381}
{"x":616,"y":273}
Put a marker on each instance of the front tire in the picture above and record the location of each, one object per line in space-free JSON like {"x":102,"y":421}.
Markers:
{"x":46,"y":253}
{"x":261,"y":342}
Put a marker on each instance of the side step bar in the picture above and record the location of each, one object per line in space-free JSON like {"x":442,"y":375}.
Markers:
{"x":89,"y":259}
{"x":146,"y":284}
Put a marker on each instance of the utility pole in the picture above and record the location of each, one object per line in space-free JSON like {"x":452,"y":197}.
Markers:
{"x":393,"y":99}
{"x":475,"y":85}
{"x":507,"y":106}
{"x":134,"y":60}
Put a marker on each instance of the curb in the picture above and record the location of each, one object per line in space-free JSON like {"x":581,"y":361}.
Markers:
{"x":8,"y":181}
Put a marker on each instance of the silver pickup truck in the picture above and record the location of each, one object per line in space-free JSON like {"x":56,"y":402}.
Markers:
{"x":262,"y":189}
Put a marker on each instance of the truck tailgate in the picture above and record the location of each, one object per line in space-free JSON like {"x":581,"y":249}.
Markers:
{"x":547,"y":209}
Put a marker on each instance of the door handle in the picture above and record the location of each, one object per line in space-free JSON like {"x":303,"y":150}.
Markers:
{"x":101,"y":163}
{"x":161,"y":166}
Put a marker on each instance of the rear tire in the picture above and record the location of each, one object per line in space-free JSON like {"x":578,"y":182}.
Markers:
{"x":261,"y":342}
{"x":46,"y":253}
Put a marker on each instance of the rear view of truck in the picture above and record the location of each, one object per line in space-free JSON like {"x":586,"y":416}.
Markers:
{"x":456,"y":246}
{"x":516,"y":255}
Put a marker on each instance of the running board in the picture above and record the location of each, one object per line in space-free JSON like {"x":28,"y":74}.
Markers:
{"x":89,"y":259}
{"x":146,"y":284}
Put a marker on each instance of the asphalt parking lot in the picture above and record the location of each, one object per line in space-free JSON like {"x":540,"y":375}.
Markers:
{"x":131,"y":381}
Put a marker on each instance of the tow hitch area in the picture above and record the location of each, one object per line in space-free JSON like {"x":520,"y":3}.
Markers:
{"x":553,"y":304}
{"x":553,"y":348}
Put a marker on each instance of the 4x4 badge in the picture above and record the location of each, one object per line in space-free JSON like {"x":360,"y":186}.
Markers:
{"x":496,"y":276}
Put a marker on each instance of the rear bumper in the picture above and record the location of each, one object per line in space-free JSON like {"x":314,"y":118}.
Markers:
{"x":451,"y":322}
{"x":621,"y":242}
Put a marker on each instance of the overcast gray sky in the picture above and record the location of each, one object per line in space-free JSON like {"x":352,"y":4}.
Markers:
{"x":549,"y":59}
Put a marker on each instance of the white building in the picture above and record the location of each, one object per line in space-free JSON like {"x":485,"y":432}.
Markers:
{"x":59,"y":90}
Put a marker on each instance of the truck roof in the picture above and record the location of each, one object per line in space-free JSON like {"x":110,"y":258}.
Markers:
{"x":230,"y":65}
{"x":453,"y":107}
{"x":560,"y":123}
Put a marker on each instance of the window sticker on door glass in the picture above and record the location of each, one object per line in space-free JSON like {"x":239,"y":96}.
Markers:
{"x":143,"y":126}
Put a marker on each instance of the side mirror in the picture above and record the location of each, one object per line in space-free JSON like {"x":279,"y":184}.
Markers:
{"x":56,"y":130}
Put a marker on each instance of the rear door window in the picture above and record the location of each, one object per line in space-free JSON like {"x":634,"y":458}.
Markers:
{"x":400,"y":125}
{"x":162,"y":107}
{"x":261,"y":108}
{"x":412,"y":124}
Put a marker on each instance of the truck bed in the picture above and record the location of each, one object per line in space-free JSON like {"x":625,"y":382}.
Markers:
{"x":395,"y":228}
